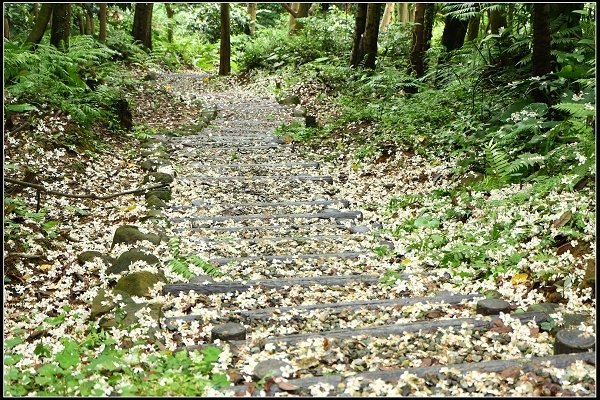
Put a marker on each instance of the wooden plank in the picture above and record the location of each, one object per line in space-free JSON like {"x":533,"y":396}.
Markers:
{"x":493,"y":366}
{"x":267,"y":239}
{"x":287,"y":230}
{"x":398,"y":329}
{"x":266,"y":313}
{"x":257,"y":165}
{"x":319,"y":215}
{"x":293,"y":178}
{"x":209,"y":204}
{"x":230,"y":287}
{"x":227,"y":260}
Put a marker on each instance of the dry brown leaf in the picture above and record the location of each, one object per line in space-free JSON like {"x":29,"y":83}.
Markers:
{"x":511,"y":372}
{"x":499,"y":327}
{"x":563,"y":220}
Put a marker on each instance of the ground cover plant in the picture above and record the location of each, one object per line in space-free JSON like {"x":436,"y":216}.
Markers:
{"x":471,"y":156}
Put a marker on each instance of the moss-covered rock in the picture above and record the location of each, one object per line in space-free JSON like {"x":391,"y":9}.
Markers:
{"x":289,"y":100}
{"x":86,"y":256}
{"x":163,"y":194}
{"x":154,"y":202}
{"x":129,"y":257}
{"x":209,"y":114}
{"x":124,"y":311}
{"x":152,"y":164}
{"x":130,"y":234}
{"x":138,"y":283}
{"x":105,"y":302}
{"x":158,"y":177}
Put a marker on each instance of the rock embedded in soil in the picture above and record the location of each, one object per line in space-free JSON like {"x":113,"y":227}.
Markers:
{"x":138,"y":283}
{"x":129,"y":257}
{"x":161,"y":194}
{"x":289,"y":100}
{"x":158,"y":177}
{"x":269,"y":368}
{"x":492,"y":306}
{"x":299,"y":111}
{"x":573,"y":341}
{"x":153,"y":164}
{"x":155,"y":202}
{"x":228,"y":331}
{"x":547,"y":308}
{"x":103,"y":302}
{"x":201,"y":279}
{"x":86,"y":256}
{"x":130,"y":234}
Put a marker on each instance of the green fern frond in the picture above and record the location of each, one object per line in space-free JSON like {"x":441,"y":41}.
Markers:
{"x":181,"y":267}
{"x":208,"y":268}
{"x":577,"y":110}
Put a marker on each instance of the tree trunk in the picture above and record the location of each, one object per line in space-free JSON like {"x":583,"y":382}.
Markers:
{"x":6,"y":27}
{"x":403,"y":17}
{"x":417,"y":52}
{"x":102,"y":17}
{"x":497,"y":20}
{"x":252,"y":13}
{"x":429,"y":17}
{"x":541,"y":39}
{"x":453,"y":36}
{"x":225,"y":49}
{"x":359,"y":28}
{"x":170,"y":14}
{"x":142,"y":24}
{"x":61,"y":25}
{"x":41,"y":22}
{"x":35,"y":10}
{"x":89,"y":24}
{"x":473,"y":28}
{"x":411,"y":12}
{"x":371,"y":34}
{"x":301,"y":12}
{"x":325,"y":7}
{"x":387,"y":17}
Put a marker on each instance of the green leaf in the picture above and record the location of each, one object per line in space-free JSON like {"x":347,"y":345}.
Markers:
{"x":425,"y":221}
{"x":41,"y":350}
{"x":55,"y":320}
{"x":12,"y":359}
{"x":105,"y":362}
{"x":211,"y":353}
{"x":69,"y":356}
{"x":20,"y":107}
{"x":10,"y":343}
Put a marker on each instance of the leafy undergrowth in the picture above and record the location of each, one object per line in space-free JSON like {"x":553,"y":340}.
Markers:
{"x":52,"y":346}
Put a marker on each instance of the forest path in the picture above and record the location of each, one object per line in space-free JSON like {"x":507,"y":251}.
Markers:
{"x":301,"y":295}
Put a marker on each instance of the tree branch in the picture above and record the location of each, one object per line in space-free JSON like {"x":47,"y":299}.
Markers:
{"x":290,"y":10}
{"x":82,"y":196}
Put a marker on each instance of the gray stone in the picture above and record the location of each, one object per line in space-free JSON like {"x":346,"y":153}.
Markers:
{"x":138,"y":283}
{"x":289,"y":100}
{"x":359,"y":229}
{"x":201,"y":279}
{"x":310,"y":121}
{"x":269,"y":368}
{"x":492,"y":294}
{"x":158,"y":177}
{"x":573,"y":341}
{"x":130,"y":234}
{"x":154,"y":214}
{"x":86,"y":256}
{"x":153,"y":164}
{"x":129,"y":257}
{"x":228,"y":331}
{"x":299,"y":111}
{"x":492,"y":306}
{"x":162,"y":194}
{"x":151,"y":76}
{"x":547,"y":308}
{"x":154,"y":202}
{"x":570,"y":319}
{"x":103,"y":303}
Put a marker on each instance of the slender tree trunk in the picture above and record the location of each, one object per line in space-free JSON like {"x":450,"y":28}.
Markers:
{"x":429,"y":18}
{"x":41,"y":22}
{"x":359,"y":28}
{"x":252,"y":13}
{"x":411,"y":12}
{"x":225,"y":49}
{"x":170,"y":14}
{"x":89,"y":24}
{"x":497,"y":21}
{"x":301,"y":12}
{"x":35,"y":10}
{"x":417,"y":52}
{"x":80,"y":21}
{"x":6,"y":27}
{"x":142,"y":24}
{"x":541,"y":39}
{"x":473,"y":28}
{"x":61,"y":25}
{"x":403,"y":17}
{"x":387,"y":17}
{"x":371,"y":34}
{"x":102,"y":18}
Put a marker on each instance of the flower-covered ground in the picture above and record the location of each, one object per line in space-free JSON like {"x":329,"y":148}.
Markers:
{"x":530,"y":244}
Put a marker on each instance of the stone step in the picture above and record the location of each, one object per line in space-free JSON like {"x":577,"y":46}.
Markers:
{"x":277,"y":239}
{"x":291,"y":178}
{"x":266,"y":313}
{"x":398,"y":329}
{"x":318,"y":256}
{"x":339,"y":382}
{"x":284,"y":230}
{"x":231,"y":287}
{"x":357,"y":215}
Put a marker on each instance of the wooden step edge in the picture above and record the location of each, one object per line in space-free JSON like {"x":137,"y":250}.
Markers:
{"x":318,"y":215}
{"x":226,"y":287}
{"x":276,"y":239}
{"x":492,"y":366}
{"x":290,"y":178}
{"x":258,"y":165}
{"x":206,"y":204}
{"x":286,"y":229}
{"x":266,"y":313}
{"x":345,"y":254}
